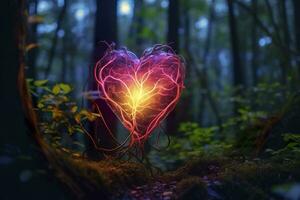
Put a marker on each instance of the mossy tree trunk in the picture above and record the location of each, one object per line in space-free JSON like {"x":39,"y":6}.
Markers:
{"x":17,"y":175}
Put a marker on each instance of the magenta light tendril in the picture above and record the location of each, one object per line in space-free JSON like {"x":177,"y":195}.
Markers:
{"x":140,"y":91}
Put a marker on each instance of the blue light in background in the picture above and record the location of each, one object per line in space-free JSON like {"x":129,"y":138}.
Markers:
{"x":125,"y":7}
{"x":60,"y":3}
{"x":61,"y":33}
{"x":44,"y":6}
{"x":264,"y":41}
{"x":201,"y":23}
{"x":46,"y":28}
{"x":164,"y":4}
{"x":150,"y":1}
{"x":80,"y":13}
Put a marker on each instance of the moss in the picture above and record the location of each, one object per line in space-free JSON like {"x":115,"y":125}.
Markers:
{"x":229,"y":177}
{"x":93,"y":179}
{"x":232,"y":178}
{"x":190,"y":183}
{"x":255,"y":179}
{"x":191,"y":188}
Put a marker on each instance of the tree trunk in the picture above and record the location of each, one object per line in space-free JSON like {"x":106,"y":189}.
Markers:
{"x":296,"y":4}
{"x":65,"y":50}
{"x":203,"y":76}
{"x":140,"y":23}
{"x":14,"y":141}
{"x":136,"y":28}
{"x":285,"y":61}
{"x":55,"y":39}
{"x":32,"y":39}
{"x":173,"y":41}
{"x":105,"y":30}
{"x":12,"y":127}
{"x":238,"y":74}
{"x":254,"y":46}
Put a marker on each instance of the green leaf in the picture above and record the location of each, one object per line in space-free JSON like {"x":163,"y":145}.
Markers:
{"x":74,"y":109}
{"x":39,"y":83}
{"x":56,"y":89}
{"x":65,"y":87}
{"x":40,"y":105}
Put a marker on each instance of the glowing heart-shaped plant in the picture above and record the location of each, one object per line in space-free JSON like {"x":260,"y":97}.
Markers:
{"x":141,"y":92}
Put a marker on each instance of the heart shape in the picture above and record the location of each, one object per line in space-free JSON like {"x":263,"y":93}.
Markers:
{"x":141,"y":92}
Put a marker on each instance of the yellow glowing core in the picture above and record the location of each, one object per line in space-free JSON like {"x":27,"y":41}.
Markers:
{"x":138,"y":99}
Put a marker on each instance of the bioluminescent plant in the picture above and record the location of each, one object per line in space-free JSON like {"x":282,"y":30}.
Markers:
{"x":140,"y":91}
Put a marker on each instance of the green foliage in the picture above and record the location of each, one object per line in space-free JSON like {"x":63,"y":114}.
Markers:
{"x":256,"y":107}
{"x":59,"y":115}
{"x":264,"y":97}
{"x":254,"y":179}
{"x":194,"y":141}
{"x":245,"y":117}
{"x":291,"y":151}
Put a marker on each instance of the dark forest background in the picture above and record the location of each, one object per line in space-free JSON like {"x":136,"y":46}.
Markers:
{"x":230,"y":47}
{"x":241,"y":96}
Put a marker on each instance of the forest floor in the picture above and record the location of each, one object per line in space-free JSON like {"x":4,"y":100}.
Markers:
{"x":234,"y":175}
{"x":222,"y":179}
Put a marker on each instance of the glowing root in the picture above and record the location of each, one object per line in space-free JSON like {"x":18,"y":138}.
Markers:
{"x":141,"y":92}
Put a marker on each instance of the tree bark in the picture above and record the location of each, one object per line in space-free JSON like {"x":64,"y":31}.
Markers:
{"x":14,"y":141}
{"x":136,"y":27}
{"x":105,"y":30}
{"x":11,"y":38}
{"x":203,"y":76}
{"x":296,"y":5}
{"x":32,"y":39}
{"x":283,"y":78}
{"x":173,"y":41}
{"x":65,"y":50}
{"x":55,"y":39}
{"x":254,"y":46}
{"x":286,"y":59}
{"x":238,"y":74}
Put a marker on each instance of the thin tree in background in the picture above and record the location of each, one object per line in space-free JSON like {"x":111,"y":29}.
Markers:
{"x":254,"y":46}
{"x":203,"y":75}
{"x":284,"y":51}
{"x":296,"y":5}
{"x":273,"y":31}
{"x":285,"y":62}
{"x":68,"y":50}
{"x":173,"y":25}
{"x":173,"y":41}
{"x":190,"y":64}
{"x":137,"y":25}
{"x":32,"y":38}
{"x":65,"y":40}
{"x":238,"y":74}
{"x":55,"y":38}
{"x":105,"y":30}
{"x":187,"y":102}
